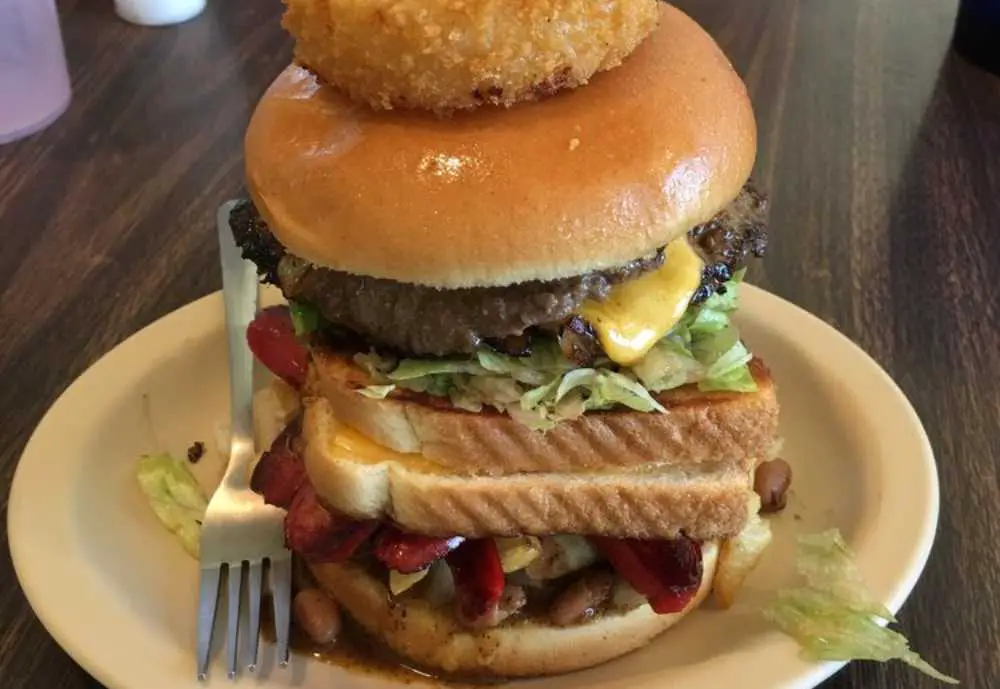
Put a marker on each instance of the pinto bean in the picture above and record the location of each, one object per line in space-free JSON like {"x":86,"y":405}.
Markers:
{"x":317,"y":615}
{"x":771,"y":482}
{"x":510,"y":603}
{"x":583,"y":599}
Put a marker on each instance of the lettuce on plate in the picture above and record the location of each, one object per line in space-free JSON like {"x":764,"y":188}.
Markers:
{"x":175,"y":497}
{"x":833,"y":615}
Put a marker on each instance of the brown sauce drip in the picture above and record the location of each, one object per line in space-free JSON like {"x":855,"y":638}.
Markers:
{"x":357,"y":651}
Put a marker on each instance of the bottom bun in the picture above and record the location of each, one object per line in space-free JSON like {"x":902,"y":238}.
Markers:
{"x":433,"y":639}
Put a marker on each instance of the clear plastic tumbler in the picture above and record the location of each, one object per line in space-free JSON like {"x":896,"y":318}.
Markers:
{"x":34,"y":83}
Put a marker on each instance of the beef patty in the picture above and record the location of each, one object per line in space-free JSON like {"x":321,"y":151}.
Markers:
{"x":422,"y":320}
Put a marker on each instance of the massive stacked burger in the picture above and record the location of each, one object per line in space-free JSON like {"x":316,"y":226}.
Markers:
{"x":530,"y":427}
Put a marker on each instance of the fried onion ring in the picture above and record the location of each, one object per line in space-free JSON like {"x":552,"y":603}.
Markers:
{"x":444,"y":55}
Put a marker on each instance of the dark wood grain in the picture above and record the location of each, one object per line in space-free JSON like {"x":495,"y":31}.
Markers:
{"x":881,"y":151}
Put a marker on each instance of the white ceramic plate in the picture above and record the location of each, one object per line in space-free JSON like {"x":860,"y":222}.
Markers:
{"x":116,"y":591}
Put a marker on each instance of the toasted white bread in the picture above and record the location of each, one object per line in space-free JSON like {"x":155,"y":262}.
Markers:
{"x":712,"y":427}
{"x":358,"y":478}
{"x":432,"y":637}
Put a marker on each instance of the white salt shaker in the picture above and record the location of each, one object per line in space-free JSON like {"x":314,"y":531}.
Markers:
{"x":158,"y":12}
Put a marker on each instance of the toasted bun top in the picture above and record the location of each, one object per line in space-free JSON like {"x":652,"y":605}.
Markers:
{"x":584,"y":180}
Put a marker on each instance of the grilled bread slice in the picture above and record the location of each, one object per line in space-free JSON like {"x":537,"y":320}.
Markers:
{"x":714,"y":428}
{"x":359,"y":478}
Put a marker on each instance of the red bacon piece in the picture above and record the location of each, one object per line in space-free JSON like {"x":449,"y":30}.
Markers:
{"x":280,"y":472}
{"x":479,"y":579}
{"x":271,"y":337}
{"x":408,"y":553}
{"x":667,"y":572}
{"x":319,"y":535}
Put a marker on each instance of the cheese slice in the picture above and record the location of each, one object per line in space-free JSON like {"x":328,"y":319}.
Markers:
{"x":352,"y":446}
{"x":637,"y":313}
{"x":348,"y":446}
{"x":401,"y":583}
{"x":517,"y":552}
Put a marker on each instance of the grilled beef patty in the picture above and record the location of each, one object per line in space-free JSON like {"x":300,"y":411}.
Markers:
{"x":420,"y":320}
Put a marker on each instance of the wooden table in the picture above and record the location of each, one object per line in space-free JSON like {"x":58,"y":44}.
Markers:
{"x":881,"y":151}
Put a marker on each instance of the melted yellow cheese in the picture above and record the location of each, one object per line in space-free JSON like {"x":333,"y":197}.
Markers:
{"x":348,"y":445}
{"x":352,"y":446}
{"x":400,"y":583}
{"x":517,"y":552}
{"x":639,"y":312}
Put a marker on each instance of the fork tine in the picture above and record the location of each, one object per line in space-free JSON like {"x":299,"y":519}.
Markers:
{"x":281,"y":594}
{"x":233,"y":631}
{"x":208,"y":602}
{"x":255,"y":586}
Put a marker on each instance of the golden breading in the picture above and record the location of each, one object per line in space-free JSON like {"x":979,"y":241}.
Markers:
{"x":444,"y":55}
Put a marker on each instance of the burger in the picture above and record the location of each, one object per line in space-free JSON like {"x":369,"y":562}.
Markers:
{"x":530,"y":428}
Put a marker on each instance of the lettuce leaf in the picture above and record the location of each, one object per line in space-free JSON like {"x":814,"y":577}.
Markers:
{"x":377,"y":392}
{"x":437,"y":384}
{"x":411,"y":369}
{"x":495,"y":389}
{"x":737,"y":380}
{"x":703,"y":348}
{"x":602,"y":389}
{"x":533,"y":399}
{"x":175,"y":497}
{"x":668,"y":365}
{"x":729,"y":371}
{"x":546,"y":359}
{"x":834,"y":615}
{"x":378,"y":367}
{"x":616,"y":388}
{"x":305,"y":317}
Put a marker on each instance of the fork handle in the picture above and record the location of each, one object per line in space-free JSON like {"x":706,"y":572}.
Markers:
{"x":240,"y":293}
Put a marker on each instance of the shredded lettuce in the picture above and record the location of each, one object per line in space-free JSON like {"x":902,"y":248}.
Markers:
{"x":174,"y":495}
{"x":377,"y":392}
{"x":703,"y":348}
{"x":545,"y":361}
{"x":668,"y":365}
{"x":729,"y":371}
{"x":834,"y":616}
{"x":376,"y":366}
{"x":602,"y":388}
{"x":545,"y":387}
{"x":305,"y":317}
{"x":414,"y":369}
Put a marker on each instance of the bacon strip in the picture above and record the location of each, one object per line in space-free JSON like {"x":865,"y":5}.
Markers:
{"x":479,"y":578}
{"x":319,"y":535}
{"x":408,"y":553}
{"x":311,"y":530}
{"x":668,"y":573}
{"x":280,"y":472}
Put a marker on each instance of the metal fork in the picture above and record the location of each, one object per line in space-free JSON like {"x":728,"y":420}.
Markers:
{"x":241,"y":534}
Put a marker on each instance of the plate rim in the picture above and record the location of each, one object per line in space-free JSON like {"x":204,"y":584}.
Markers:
{"x":904,"y":580}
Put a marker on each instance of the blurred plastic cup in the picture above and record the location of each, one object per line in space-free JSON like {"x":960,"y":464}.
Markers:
{"x":34,"y":83}
{"x":158,"y":12}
